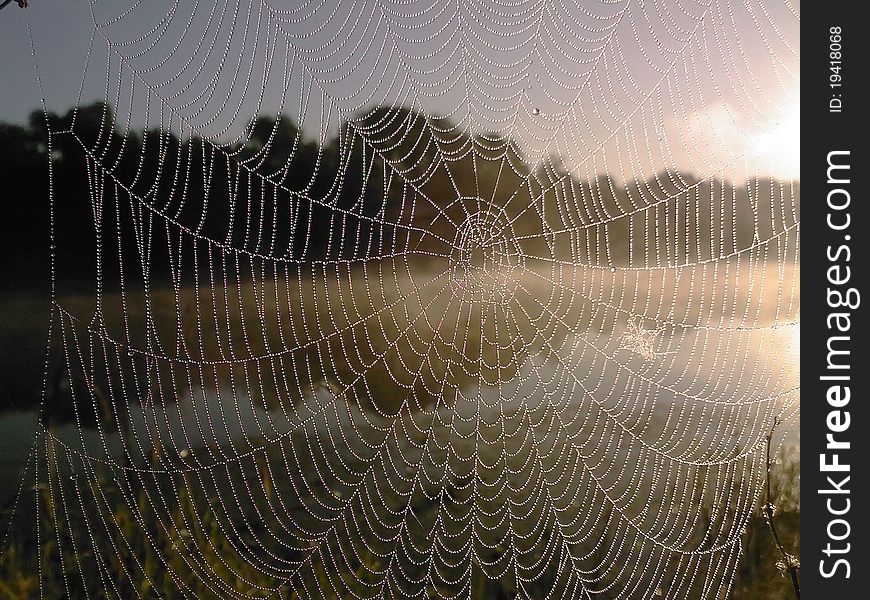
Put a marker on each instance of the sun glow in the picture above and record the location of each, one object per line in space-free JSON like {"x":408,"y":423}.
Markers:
{"x":778,"y":149}
{"x":794,"y":340}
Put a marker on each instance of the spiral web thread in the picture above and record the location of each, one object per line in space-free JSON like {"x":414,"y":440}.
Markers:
{"x":448,"y":357}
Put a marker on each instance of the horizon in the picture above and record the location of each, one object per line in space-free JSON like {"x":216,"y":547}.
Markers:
{"x":508,"y":144}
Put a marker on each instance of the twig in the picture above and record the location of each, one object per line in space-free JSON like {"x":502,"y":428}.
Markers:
{"x":788,"y":561}
{"x":21,"y":3}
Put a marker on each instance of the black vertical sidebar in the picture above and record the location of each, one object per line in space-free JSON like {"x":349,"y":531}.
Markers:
{"x":835,"y":359}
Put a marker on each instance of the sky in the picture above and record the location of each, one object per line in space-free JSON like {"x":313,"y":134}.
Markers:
{"x":61,"y":32}
{"x":643,"y":85}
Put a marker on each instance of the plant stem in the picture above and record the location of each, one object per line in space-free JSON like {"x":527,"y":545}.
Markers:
{"x":21,"y":3}
{"x":768,"y":509}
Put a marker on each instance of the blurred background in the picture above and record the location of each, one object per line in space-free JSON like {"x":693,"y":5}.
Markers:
{"x":316,"y":303}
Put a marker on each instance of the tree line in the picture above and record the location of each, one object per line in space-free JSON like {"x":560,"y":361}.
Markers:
{"x":380,"y":186}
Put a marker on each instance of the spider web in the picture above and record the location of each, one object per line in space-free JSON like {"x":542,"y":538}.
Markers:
{"x":482,"y":335}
